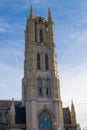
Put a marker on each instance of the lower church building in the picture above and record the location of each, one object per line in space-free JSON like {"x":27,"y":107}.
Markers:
{"x":41,"y":105}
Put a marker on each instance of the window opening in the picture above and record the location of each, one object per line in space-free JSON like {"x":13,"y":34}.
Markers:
{"x":48,"y":87}
{"x":38,"y":62}
{"x":39,"y":86}
{"x":46,"y":62}
{"x":46,"y":91}
{"x":41,"y":35}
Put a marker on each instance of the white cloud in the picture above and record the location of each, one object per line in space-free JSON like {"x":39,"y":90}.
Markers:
{"x":6,"y":27}
{"x":40,"y":3}
{"x":37,"y":1}
{"x":79,"y":36}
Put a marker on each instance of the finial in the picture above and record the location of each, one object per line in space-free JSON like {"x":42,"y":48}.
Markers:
{"x":49,"y":15}
{"x":31,"y":12}
{"x":12,"y":99}
{"x":71,"y":101}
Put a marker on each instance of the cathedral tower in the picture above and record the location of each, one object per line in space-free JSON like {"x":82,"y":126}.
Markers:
{"x":41,"y":85}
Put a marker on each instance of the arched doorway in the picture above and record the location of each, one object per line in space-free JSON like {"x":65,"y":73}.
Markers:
{"x":44,"y":121}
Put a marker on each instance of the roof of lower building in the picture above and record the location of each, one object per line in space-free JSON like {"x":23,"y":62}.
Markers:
{"x":6,"y":104}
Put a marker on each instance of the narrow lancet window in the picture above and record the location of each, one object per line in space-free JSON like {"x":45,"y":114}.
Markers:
{"x":38,"y":62}
{"x":46,"y":62}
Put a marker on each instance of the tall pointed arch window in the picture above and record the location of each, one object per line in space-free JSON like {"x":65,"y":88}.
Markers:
{"x":39,"y":87}
{"x":38,"y":62}
{"x":46,"y":62}
{"x":48,"y":87}
{"x":41,"y":35}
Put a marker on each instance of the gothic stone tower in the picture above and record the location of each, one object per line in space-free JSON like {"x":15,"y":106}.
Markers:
{"x":40,"y":85}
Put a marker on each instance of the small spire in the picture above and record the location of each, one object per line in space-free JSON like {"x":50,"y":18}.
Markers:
{"x":12,"y":113}
{"x":72,"y":107}
{"x":49,"y":15}
{"x":73,"y":114}
{"x":31,"y":12}
{"x":12,"y":106}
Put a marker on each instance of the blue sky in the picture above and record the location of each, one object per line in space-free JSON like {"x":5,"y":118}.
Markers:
{"x":70,"y":19}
